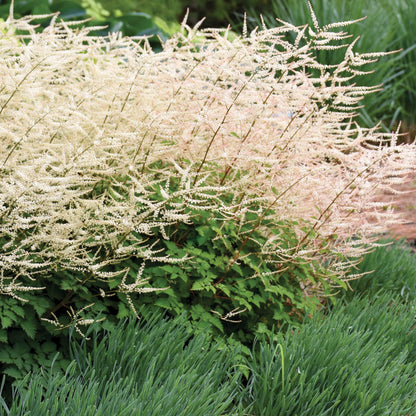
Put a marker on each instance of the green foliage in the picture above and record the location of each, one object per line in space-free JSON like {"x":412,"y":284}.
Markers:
{"x":358,"y":360}
{"x":97,"y":223}
{"x":32,"y":335}
{"x":129,"y":24}
{"x":155,"y":368}
{"x":231,"y":284}
{"x":168,"y":10}
{"x":25,"y":345}
{"x":388,"y":26}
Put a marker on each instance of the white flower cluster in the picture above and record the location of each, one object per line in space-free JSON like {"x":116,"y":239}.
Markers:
{"x":106,"y":147}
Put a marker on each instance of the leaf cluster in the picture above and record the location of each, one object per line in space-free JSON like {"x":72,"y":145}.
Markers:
{"x":244,"y":276}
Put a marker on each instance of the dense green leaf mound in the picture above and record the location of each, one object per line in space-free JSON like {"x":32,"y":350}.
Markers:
{"x":230,"y":284}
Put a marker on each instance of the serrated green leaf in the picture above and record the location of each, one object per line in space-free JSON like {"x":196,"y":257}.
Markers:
{"x":133,"y":265}
{"x":19,"y":363}
{"x":214,"y":320}
{"x":275,"y":289}
{"x":279,"y":315}
{"x":160,"y":282}
{"x":123,"y":311}
{"x":257,"y":300}
{"x":14,"y":372}
{"x":224,"y":288}
{"x":262,"y":328}
{"x":204,"y":325}
{"x":157,"y":271}
{"x":182,"y":276}
{"x":171,"y":246}
{"x":5,"y":356}
{"x":236,"y":267}
{"x":244,"y":302}
{"x":19,"y":349}
{"x":43,"y":361}
{"x":197,"y":311}
{"x":29,"y":326}
{"x":202,"y":284}
{"x":41,"y":305}
{"x":112,"y":284}
{"x":10,"y":314}
{"x":203,"y":230}
{"x":6,"y":322}
{"x":18,"y":310}
{"x":3,"y":335}
{"x":251,"y":262}
{"x":164,"y":303}
{"x":67,"y":284}
{"x":48,"y":347}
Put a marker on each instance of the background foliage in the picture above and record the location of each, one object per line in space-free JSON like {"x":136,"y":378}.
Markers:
{"x":129,"y":22}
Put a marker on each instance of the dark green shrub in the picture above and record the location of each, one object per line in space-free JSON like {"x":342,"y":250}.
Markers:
{"x":229,"y":286}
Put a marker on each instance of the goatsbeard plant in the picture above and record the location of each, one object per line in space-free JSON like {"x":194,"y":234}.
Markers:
{"x":110,"y":153}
